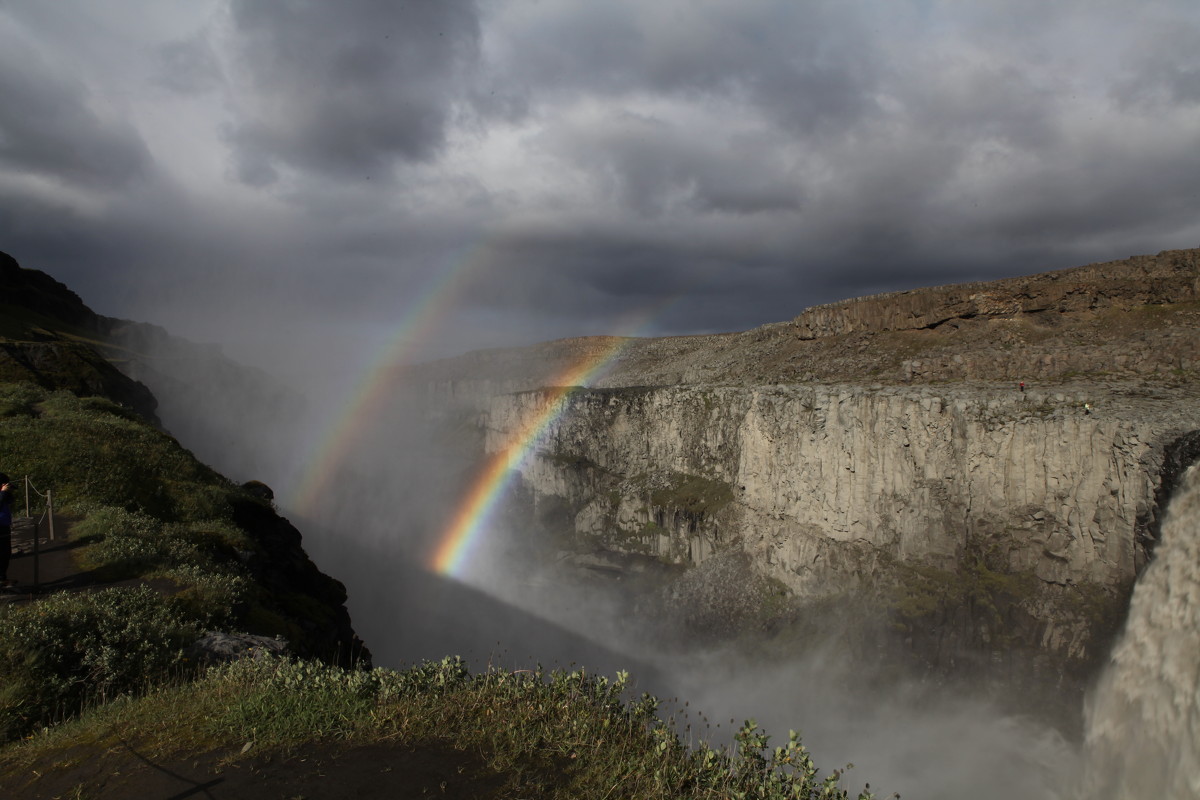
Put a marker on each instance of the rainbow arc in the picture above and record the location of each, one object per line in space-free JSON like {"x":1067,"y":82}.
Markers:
{"x":470,"y":518}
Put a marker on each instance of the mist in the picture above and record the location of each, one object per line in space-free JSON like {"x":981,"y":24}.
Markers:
{"x":372,"y":511}
{"x":330,"y":193}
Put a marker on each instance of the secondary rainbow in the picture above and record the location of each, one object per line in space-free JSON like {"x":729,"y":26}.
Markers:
{"x":365,"y":402}
{"x":471,"y":516}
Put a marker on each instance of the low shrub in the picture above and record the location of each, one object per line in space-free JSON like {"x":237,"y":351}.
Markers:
{"x":91,"y":449}
{"x":562,"y":734}
{"x":200,"y":558}
{"x":71,"y":648}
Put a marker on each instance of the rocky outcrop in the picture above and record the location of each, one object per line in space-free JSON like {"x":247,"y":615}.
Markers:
{"x":77,"y":368}
{"x":38,"y":292}
{"x":49,"y":337}
{"x":218,"y":647}
{"x":1168,"y":278}
{"x":307,"y":605}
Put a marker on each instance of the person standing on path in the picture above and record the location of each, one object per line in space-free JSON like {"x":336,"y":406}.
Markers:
{"x":6,"y":500}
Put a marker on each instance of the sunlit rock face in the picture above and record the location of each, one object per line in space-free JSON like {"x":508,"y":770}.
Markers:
{"x":841,"y":488}
{"x":1166,"y":278}
{"x":986,"y":458}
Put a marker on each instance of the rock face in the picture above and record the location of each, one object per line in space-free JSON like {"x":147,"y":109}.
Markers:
{"x":307,"y":600}
{"x":50,"y":338}
{"x":76,"y":367}
{"x":217,"y":647}
{"x":1137,"y":319}
{"x":841,"y":489}
{"x":882,"y":451}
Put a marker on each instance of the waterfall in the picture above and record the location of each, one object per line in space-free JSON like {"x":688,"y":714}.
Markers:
{"x":1143,"y":719}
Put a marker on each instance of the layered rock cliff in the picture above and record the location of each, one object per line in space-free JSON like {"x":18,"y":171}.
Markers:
{"x":982,"y":465}
{"x":839,"y":489}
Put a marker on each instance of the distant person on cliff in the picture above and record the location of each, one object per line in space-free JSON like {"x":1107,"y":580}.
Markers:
{"x":6,"y":501}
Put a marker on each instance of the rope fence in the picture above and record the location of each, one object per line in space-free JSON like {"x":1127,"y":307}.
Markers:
{"x":27,"y":527}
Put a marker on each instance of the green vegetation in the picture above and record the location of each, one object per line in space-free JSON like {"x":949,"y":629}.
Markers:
{"x":928,"y":592}
{"x":693,"y":494}
{"x":82,"y":673}
{"x":650,"y":530}
{"x":641,"y":540}
{"x":533,"y":734}
{"x":92,"y":452}
{"x":144,"y":510}
{"x":69,"y":649}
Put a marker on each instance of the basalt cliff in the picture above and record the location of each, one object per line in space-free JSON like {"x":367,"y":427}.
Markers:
{"x":983,"y":466}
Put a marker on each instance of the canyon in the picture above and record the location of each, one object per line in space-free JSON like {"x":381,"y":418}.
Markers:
{"x":983,"y":467}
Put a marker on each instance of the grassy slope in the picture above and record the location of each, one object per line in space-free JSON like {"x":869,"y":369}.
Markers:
{"x":84,"y":674}
{"x":145,"y":509}
{"x":509,"y":735}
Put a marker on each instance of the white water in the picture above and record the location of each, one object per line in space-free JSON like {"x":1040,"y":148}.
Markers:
{"x":1143,"y":720}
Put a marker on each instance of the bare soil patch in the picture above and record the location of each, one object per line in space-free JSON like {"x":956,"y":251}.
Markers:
{"x":316,"y":771}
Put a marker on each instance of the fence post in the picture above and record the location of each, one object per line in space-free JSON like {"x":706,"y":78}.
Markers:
{"x":37,"y":557}
{"x":27,"y":495}
{"x":50,"y":511}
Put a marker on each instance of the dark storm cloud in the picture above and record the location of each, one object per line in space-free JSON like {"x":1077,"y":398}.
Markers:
{"x":880,"y":152}
{"x":345,"y":89}
{"x":808,"y":63}
{"x":47,"y":128}
{"x":653,"y":165}
{"x":589,"y":278}
{"x":726,"y":162}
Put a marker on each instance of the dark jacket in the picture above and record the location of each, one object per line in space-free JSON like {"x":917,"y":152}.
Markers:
{"x":6,"y":501}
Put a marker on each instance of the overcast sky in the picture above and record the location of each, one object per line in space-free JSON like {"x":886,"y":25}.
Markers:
{"x":281,"y":172}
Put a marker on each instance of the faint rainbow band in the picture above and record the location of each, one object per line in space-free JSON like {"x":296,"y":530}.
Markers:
{"x":366,"y":402}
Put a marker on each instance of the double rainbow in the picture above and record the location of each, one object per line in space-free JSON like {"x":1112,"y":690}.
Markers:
{"x":372,"y":391}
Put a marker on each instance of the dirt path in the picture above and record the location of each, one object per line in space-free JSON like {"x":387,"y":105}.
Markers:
{"x":55,"y":568}
{"x":52,"y":569}
{"x":315,"y":771}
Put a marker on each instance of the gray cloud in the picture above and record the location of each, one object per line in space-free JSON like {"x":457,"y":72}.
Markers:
{"x":345,"y":89}
{"x":189,"y":66}
{"x":253,"y":167}
{"x":1164,"y":74}
{"x":653,"y":166}
{"x":808,"y":62}
{"x":47,"y":128}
